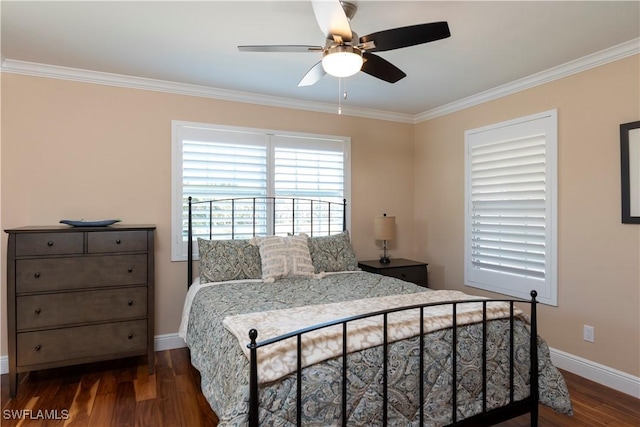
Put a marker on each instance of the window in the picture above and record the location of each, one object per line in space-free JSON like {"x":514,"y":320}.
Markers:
{"x":510,"y":207}
{"x":222,"y":162}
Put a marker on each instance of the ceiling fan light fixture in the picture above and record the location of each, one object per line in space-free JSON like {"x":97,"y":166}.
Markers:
{"x":342,"y":60}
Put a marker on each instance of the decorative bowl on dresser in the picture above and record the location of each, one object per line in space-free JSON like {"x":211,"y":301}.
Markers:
{"x":78,"y":295}
{"x":405,"y":269}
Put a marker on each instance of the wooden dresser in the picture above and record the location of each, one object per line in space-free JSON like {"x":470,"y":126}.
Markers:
{"x":78,"y":295}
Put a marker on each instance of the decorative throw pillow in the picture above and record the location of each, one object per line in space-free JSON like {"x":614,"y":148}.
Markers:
{"x":284,"y":256}
{"x":222,"y":260}
{"x":332,"y":253}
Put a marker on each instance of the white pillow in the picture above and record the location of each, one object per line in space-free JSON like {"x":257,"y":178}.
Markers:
{"x":284,"y":257}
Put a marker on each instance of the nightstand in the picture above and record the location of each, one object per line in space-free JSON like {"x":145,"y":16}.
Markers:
{"x":404,"y":269}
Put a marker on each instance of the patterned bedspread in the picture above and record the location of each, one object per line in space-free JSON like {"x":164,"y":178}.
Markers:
{"x":224,"y":368}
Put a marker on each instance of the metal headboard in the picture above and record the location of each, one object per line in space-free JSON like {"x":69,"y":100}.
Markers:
{"x":266,"y":215}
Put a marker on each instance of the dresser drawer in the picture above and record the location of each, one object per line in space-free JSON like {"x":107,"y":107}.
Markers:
{"x":38,"y":244}
{"x":51,"y":274}
{"x":416,"y":275}
{"x":81,"y":342}
{"x":116,"y":241}
{"x":50,"y":310}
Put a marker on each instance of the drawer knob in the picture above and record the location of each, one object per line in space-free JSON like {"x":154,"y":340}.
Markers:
{"x":118,"y":241}
{"x":130,"y":302}
{"x":37,"y":347}
{"x":130,"y":269}
{"x":50,"y":243}
{"x":36,"y":275}
{"x":130,"y":335}
{"x":38,"y":311}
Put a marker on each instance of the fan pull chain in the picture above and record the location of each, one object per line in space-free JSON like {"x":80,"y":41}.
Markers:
{"x":341,"y":94}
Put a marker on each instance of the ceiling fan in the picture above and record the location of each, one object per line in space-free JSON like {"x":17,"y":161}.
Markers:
{"x":344,"y":54}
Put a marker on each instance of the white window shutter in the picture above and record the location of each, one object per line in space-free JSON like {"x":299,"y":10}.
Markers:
{"x":219,"y":162}
{"x":510,"y":208}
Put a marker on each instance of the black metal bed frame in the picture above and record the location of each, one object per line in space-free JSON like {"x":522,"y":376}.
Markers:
{"x":485,"y":418}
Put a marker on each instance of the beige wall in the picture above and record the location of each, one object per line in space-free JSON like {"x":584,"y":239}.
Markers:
{"x":76,"y":150}
{"x":73,"y":150}
{"x":598,"y":256}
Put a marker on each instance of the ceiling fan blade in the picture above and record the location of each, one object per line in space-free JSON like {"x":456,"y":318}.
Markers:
{"x":332,"y":19}
{"x":313,"y":75}
{"x":280,"y":48}
{"x":397,"y":38}
{"x":378,"y":67}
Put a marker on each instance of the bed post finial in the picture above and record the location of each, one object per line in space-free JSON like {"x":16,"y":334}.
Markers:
{"x":344,"y":214}
{"x":253,"y":379}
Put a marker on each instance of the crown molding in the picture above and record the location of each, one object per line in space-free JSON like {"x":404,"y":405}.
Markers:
{"x":119,"y":80}
{"x":623,"y":50}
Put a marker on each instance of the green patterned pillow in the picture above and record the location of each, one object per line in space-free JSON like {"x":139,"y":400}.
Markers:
{"x":284,"y":257}
{"x":332,"y":253}
{"x":222,"y":260}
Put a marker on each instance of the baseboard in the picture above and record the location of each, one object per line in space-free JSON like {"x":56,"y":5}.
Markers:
{"x":593,"y":371}
{"x":596,"y":372}
{"x":167,"y":342}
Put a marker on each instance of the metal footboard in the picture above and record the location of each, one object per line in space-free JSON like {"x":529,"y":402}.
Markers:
{"x":485,"y":418}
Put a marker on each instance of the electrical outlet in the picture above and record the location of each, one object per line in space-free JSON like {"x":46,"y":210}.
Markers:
{"x":588,"y":333}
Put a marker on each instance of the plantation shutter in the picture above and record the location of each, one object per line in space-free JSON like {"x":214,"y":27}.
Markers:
{"x":217,"y":162}
{"x":220,"y":164}
{"x":508,"y":207}
{"x":510,"y":214}
{"x":309,"y":168}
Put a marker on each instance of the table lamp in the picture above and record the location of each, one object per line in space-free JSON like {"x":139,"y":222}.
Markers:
{"x":385,"y":229}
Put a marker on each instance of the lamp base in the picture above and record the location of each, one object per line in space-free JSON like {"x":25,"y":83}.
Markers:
{"x":385,"y":260}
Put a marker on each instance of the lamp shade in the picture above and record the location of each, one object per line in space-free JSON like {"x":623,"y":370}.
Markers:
{"x":342,"y":61}
{"x":384,"y":227}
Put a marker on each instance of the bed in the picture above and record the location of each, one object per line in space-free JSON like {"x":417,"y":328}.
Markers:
{"x":326,"y":344}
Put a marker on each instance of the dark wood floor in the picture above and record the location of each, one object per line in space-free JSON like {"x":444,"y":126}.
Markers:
{"x":122,"y":393}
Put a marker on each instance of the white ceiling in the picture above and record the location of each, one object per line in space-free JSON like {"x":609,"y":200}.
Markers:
{"x":491,"y":44}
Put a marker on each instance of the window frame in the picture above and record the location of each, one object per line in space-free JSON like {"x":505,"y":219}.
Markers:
{"x":178,"y":245}
{"x":547,"y":289}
